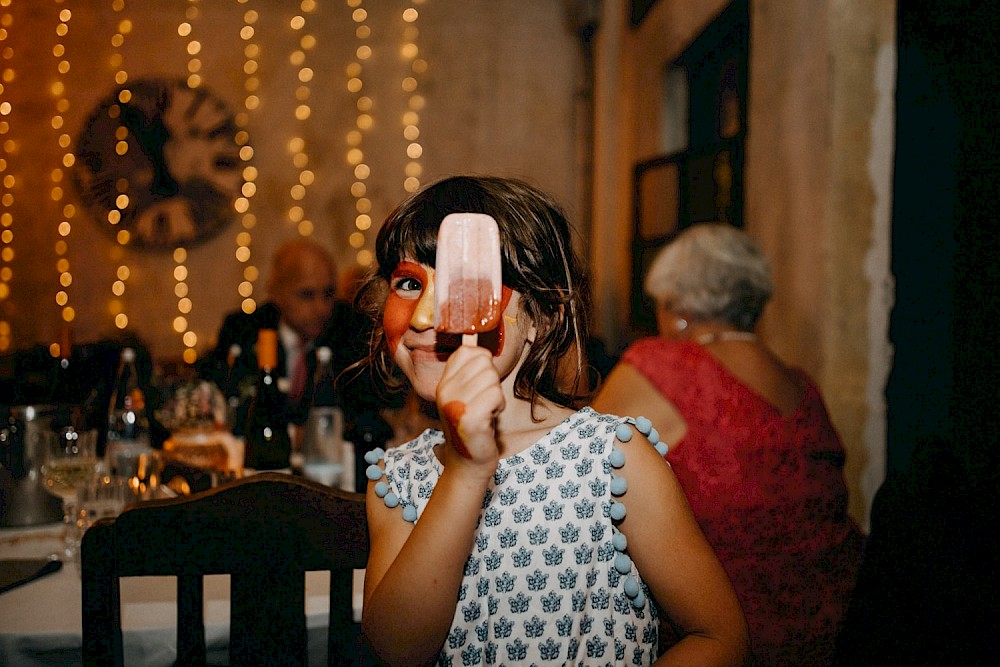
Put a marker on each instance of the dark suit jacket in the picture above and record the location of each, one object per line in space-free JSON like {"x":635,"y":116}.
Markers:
{"x":346,"y":334}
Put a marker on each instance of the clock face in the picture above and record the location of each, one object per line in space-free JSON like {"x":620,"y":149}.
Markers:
{"x":164,"y":165}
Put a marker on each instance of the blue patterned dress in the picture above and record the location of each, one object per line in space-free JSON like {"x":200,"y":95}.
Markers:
{"x":549,"y":581}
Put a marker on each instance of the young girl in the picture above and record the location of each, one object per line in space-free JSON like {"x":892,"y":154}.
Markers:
{"x":526,"y":532}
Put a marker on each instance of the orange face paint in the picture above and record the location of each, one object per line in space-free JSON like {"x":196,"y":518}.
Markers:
{"x":493,"y":340}
{"x":398,"y":309}
{"x":453,"y":411}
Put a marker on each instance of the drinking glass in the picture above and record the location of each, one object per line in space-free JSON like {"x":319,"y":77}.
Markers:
{"x":138,"y":463}
{"x":71,"y":463}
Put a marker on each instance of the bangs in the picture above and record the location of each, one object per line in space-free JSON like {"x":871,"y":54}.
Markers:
{"x":408,"y":236}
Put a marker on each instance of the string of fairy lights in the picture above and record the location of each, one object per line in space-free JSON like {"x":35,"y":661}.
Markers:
{"x":355,"y":137}
{"x":123,"y":27}
{"x":8,"y":147}
{"x":243,"y":204}
{"x":181,"y":289}
{"x":301,"y":58}
{"x":297,"y":145}
{"x":57,"y":191}
{"x":415,"y":101}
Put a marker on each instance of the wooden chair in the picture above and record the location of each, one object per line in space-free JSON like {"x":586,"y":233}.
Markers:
{"x":266,"y":531}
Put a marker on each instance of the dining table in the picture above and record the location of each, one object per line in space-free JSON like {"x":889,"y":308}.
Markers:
{"x":41,"y":618}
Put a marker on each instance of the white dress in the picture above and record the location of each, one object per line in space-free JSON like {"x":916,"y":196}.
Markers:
{"x":549,"y":581}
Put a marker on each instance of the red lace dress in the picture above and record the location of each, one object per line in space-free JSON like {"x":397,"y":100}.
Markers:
{"x":769,"y":494}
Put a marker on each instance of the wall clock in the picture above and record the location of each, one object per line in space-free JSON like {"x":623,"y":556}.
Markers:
{"x":181,"y":170}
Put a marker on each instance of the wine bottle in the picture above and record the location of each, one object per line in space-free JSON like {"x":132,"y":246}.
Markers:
{"x":267,"y":441}
{"x":231,"y":390}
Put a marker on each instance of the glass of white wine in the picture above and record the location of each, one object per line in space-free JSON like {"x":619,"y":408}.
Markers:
{"x":71,"y":463}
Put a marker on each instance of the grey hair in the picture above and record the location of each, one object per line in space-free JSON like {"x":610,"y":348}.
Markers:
{"x":712,"y":271}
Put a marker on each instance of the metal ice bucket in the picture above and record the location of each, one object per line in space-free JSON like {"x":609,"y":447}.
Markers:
{"x":23,"y":498}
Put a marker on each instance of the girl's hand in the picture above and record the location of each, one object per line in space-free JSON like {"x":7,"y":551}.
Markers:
{"x":469,"y":398}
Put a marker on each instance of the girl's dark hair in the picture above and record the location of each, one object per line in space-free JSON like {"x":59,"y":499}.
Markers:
{"x":538,"y":261}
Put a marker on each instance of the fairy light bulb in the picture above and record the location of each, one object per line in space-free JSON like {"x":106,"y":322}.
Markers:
{"x":244,"y":203}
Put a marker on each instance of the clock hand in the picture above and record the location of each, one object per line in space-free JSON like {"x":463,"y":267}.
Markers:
{"x":151,"y":135}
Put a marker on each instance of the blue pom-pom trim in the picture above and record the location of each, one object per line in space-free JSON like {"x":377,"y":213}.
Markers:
{"x":617,"y":458}
{"x":375,"y":473}
{"x":618,"y":485}
{"x":623,"y":563}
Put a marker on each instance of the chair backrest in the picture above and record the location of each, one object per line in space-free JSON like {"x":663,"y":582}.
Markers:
{"x":265,"y":531}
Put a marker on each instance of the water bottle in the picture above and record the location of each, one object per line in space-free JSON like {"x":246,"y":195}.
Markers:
{"x":323,"y":441}
{"x":128,"y":422}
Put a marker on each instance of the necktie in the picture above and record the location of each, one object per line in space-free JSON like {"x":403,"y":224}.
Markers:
{"x":298,"y":376}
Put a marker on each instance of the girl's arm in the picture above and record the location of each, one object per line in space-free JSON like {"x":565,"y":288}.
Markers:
{"x":677,"y":563}
{"x":414,"y":571}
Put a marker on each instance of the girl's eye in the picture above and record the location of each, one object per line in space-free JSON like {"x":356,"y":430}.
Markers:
{"x":407,"y":287}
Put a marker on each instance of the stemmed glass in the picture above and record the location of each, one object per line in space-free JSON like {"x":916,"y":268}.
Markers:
{"x":71,"y":463}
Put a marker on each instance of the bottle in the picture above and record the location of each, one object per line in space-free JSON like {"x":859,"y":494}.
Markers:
{"x":231,"y":389}
{"x":323,"y":441}
{"x":268,"y":444}
{"x":62,"y":384}
{"x":368,"y":431}
{"x":128,"y":423}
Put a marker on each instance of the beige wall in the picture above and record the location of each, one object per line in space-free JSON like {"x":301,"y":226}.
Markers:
{"x":499,"y":91}
{"x":818,"y":172}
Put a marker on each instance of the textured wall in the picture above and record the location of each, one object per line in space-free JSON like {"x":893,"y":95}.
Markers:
{"x":499,"y":98}
{"x":818,"y":177}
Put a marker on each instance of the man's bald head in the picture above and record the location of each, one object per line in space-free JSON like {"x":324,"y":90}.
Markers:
{"x":303,"y":284}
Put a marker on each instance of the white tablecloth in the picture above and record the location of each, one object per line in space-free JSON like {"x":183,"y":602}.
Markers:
{"x":40,"y":622}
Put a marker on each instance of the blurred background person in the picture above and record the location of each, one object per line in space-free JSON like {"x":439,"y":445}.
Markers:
{"x":750,"y":441}
{"x":303,"y":307}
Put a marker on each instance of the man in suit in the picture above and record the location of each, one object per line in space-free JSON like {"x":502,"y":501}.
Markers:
{"x":304,"y":309}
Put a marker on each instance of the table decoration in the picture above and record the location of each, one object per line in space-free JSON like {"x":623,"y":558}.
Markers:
{"x":196,"y":418}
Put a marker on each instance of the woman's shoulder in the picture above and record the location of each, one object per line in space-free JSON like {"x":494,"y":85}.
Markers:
{"x":660,"y":350}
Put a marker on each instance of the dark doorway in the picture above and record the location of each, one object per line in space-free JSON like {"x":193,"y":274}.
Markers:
{"x":944,"y":230}
{"x":926,"y":592}
{"x":702,"y":179}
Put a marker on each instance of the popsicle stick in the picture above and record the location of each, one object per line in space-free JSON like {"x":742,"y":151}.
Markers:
{"x":470,"y":339}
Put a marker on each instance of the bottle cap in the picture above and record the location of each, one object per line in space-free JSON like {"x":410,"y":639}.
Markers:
{"x":324,"y":354}
{"x":128,"y":355}
{"x":267,"y":348}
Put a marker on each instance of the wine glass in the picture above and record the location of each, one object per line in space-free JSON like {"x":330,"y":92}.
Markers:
{"x":71,"y":463}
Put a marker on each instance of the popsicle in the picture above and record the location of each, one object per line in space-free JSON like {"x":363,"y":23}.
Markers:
{"x":468,"y":281}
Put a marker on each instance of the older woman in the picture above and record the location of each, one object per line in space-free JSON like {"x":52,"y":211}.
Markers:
{"x":750,"y":441}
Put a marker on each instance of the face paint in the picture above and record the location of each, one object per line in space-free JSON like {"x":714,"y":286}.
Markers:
{"x":453,"y":411}
{"x":493,"y":340}
{"x":402,"y":301}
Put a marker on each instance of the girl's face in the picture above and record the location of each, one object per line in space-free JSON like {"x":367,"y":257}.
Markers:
{"x":420,"y":351}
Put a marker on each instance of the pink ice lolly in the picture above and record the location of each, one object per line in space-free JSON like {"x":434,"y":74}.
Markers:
{"x":467,"y":275}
